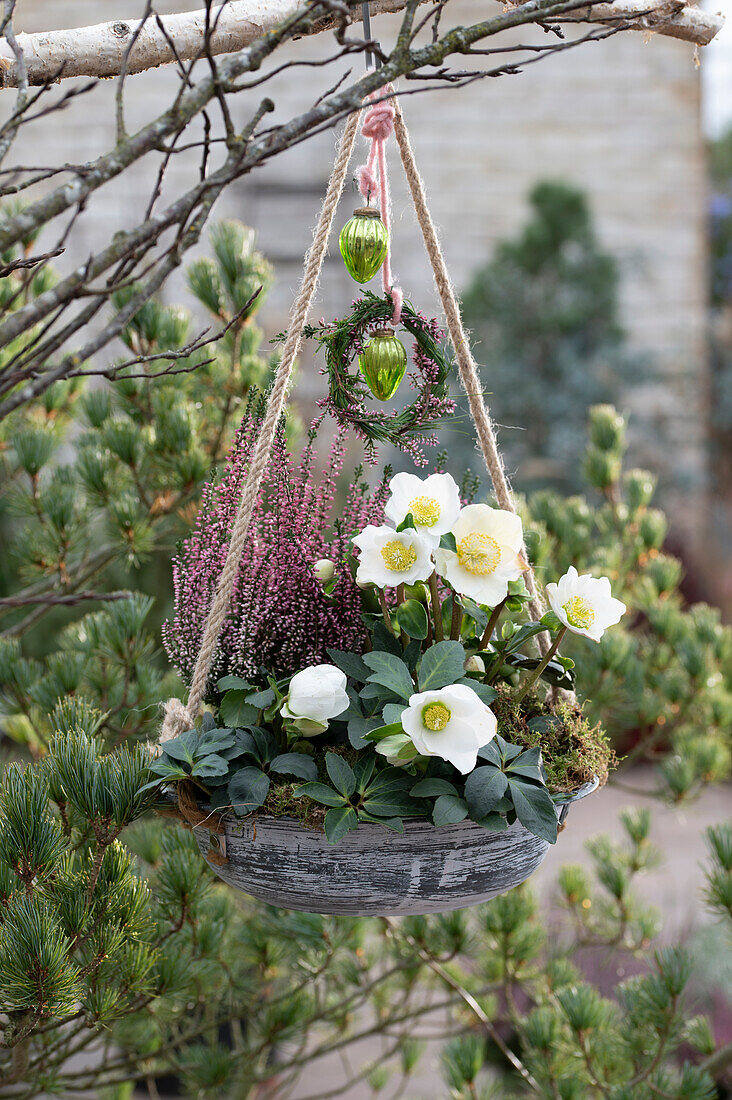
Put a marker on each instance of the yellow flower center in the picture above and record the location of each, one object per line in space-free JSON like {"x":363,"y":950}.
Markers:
{"x":579,"y":613}
{"x":479,"y":554}
{"x":425,"y":510}
{"x":398,"y":557}
{"x":436,"y":716}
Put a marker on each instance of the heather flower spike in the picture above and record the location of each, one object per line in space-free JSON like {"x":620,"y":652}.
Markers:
{"x":280,"y":616}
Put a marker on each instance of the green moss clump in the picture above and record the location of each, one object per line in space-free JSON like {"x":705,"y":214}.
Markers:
{"x":282,"y":802}
{"x":573,"y":750}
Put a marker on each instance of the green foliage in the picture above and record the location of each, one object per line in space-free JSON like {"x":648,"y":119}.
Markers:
{"x":186,"y":977}
{"x":719,"y":875}
{"x":75,"y":925}
{"x":96,"y":484}
{"x":544,"y":310}
{"x":660,"y":681}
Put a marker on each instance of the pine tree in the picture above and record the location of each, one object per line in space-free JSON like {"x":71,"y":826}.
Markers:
{"x":545,"y":319}
{"x":81,"y":523}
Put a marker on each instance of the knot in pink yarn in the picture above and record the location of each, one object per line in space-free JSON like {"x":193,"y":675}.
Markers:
{"x":367,"y":182}
{"x":379,"y":121}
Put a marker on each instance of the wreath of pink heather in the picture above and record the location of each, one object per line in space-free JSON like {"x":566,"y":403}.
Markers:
{"x":280,"y":618}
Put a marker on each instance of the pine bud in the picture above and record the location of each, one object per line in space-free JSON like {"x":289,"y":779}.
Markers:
{"x":602,"y":467}
{"x":607,"y":428}
{"x":640,"y":486}
{"x":653,"y":529}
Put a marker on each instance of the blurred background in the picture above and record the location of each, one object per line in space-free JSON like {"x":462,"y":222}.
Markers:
{"x":585,"y":209}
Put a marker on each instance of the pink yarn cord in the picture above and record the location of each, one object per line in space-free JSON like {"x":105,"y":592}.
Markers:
{"x":377,"y":125}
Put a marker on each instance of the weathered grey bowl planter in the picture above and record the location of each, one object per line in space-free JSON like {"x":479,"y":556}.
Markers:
{"x":374,"y":871}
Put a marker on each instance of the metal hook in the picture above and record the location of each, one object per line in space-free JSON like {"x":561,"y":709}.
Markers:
{"x":372,"y":61}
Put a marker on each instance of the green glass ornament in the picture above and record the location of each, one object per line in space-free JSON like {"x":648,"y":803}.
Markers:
{"x":383,"y":362}
{"x":364,"y":241}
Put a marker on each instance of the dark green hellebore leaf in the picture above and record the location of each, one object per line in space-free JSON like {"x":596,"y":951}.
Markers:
{"x":442,"y":664}
{"x":341,"y":774}
{"x":484,"y":789}
{"x":390,"y":672}
{"x":339,"y":821}
{"x":431,"y":788}
{"x":321,"y":793}
{"x":295,"y":763}
{"x":350,"y":663}
{"x":236,"y":711}
{"x":236,"y":683}
{"x":449,"y":810}
{"x":534,"y":809}
{"x":248,"y":789}
{"x":412,"y":619}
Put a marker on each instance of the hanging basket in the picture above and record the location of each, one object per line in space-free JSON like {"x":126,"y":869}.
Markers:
{"x":373,"y":871}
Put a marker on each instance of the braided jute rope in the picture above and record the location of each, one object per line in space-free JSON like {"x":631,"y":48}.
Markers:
{"x":177,"y":717}
{"x":466,"y":364}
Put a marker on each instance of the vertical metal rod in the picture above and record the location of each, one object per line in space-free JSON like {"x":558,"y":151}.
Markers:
{"x":371,"y":60}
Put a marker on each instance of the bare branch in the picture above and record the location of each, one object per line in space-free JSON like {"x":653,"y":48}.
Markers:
{"x":9,"y":602}
{"x":31,"y":261}
{"x":101,"y":50}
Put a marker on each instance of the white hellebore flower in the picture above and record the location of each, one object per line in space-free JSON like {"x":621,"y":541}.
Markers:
{"x":433,"y":501}
{"x":584,"y":603}
{"x":488,"y":543}
{"x":389,"y":557}
{"x":452,"y":723}
{"x":316,"y":694}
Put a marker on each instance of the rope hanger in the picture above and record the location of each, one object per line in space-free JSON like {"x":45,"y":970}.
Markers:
{"x":179,"y":717}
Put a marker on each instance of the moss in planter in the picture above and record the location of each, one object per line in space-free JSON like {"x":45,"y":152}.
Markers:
{"x":573,"y":750}
{"x":281,"y":802}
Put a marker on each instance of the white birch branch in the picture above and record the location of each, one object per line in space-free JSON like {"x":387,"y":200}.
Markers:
{"x":99,"y":51}
{"x":674,"y":18}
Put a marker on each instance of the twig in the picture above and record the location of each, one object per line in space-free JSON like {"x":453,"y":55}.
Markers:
{"x":30,"y":261}
{"x":470,"y":1001}
{"x":62,"y":601}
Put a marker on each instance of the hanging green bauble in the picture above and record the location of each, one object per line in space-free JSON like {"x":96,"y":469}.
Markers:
{"x":383,"y":362}
{"x":364,"y":241}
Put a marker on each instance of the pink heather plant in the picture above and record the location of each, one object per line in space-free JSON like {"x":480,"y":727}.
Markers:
{"x":280,"y":617}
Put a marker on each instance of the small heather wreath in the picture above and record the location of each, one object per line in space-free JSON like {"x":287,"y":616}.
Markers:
{"x":406,"y":429}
